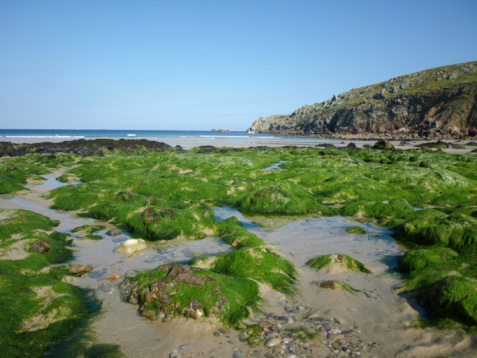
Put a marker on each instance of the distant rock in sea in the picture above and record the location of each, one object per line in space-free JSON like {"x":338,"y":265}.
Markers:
{"x":220,"y":130}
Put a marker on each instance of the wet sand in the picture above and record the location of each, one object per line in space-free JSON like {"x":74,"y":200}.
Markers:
{"x":381,"y":314}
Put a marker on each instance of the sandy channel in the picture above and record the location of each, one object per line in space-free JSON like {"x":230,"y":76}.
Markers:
{"x":379,"y":313}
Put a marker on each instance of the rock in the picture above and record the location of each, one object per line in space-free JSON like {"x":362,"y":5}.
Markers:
{"x":383,"y":144}
{"x":340,"y":320}
{"x":114,"y":232}
{"x":131,"y":246}
{"x":272,"y":342}
{"x":42,"y":246}
{"x":380,"y":95}
{"x":77,"y":269}
{"x":111,"y":277}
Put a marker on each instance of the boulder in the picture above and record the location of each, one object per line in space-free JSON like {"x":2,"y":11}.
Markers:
{"x":131,"y":246}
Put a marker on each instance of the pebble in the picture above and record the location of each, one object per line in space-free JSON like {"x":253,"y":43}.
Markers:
{"x":284,"y":338}
{"x":272,"y":342}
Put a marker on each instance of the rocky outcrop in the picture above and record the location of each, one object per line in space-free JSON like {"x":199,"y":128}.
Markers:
{"x":439,"y":103}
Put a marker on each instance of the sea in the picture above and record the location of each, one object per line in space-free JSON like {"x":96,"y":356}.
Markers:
{"x":186,"y":139}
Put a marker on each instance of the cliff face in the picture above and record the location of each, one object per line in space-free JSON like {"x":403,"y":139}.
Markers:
{"x":439,"y":103}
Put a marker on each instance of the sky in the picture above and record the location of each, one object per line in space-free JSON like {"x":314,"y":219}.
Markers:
{"x":197,"y":65}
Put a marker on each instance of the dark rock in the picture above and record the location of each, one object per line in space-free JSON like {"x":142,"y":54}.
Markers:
{"x":383,"y":144}
{"x":42,"y":246}
{"x":114,"y":232}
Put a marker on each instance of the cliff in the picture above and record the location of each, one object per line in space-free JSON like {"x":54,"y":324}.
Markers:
{"x":440,"y":103}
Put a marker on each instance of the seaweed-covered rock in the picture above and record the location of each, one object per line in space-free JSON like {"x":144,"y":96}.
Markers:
{"x":418,"y":260}
{"x":383,"y":144}
{"x":279,"y":197}
{"x":457,"y":231}
{"x":357,"y":230}
{"x":42,"y":246}
{"x":179,"y":290}
{"x":337,"y":263}
{"x":455,"y":297}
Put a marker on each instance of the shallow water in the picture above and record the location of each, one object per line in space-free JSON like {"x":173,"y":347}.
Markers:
{"x":276,"y":166}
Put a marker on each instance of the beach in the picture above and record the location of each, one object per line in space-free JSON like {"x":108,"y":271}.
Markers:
{"x":373,"y":321}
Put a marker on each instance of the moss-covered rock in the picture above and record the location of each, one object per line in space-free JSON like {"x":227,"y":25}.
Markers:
{"x":418,"y":260}
{"x":279,"y":197}
{"x":337,"y":263}
{"x":357,"y":230}
{"x":179,"y":290}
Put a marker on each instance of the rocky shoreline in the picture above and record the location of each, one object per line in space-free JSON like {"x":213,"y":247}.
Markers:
{"x":436,"y":104}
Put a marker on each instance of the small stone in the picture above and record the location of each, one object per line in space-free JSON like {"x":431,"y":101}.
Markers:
{"x":182,"y":347}
{"x":351,"y":309}
{"x":340,"y":320}
{"x":272,"y":342}
{"x":114,"y":232}
{"x":216,"y":334}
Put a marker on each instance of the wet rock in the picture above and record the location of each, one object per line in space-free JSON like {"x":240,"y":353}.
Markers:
{"x":114,"y":232}
{"x":131,"y":246}
{"x":77,"y":269}
{"x":42,"y":246}
{"x":195,"y":310}
{"x":111,"y":277}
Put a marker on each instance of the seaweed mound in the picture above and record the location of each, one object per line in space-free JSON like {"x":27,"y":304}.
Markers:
{"x":337,"y":263}
{"x":180,"y":290}
{"x":282,"y":197}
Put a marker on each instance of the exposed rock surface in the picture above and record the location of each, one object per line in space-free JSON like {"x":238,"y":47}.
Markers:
{"x":439,"y":103}
{"x":131,"y":246}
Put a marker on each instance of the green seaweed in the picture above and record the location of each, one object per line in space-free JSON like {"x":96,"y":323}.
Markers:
{"x":348,"y":262}
{"x":357,"y":230}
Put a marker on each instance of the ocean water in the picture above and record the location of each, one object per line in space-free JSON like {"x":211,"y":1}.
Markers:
{"x":186,"y":139}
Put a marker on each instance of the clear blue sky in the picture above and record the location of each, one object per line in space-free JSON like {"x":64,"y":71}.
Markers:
{"x":210,"y":64}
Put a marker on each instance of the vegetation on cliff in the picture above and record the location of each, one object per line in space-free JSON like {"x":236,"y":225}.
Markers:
{"x":435,"y":103}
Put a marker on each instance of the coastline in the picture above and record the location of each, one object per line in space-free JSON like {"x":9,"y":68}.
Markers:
{"x":299,"y":141}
